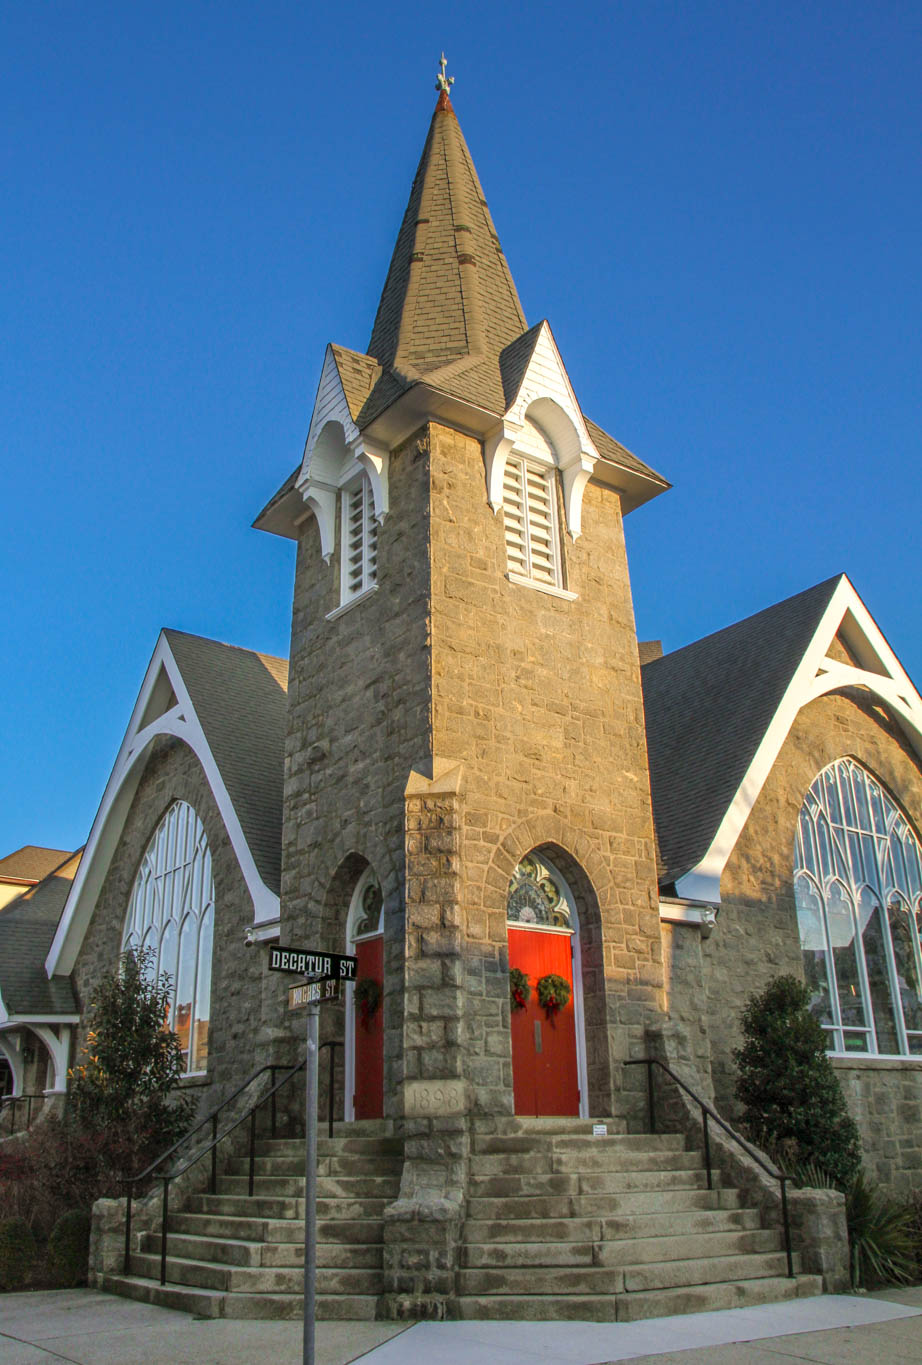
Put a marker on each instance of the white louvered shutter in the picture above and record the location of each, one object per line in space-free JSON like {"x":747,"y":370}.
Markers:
{"x":530,"y":514}
{"x":360,"y":540}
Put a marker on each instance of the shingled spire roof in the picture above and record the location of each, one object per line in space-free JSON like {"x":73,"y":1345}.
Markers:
{"x":449,"y":304}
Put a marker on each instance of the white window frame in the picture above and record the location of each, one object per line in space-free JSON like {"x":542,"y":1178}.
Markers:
{"x":173,"y":888}
{"x":352,"y":589}
{"x":520,"y":467}
{"x":840,"y":855}
{"x":352,"y":921}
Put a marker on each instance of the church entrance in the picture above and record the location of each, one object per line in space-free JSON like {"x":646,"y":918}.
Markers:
{"x":365,"y":1003}
{"x":548,"y":1061}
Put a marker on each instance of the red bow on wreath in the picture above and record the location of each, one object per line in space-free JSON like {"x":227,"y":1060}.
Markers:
{"x":553,"y":993}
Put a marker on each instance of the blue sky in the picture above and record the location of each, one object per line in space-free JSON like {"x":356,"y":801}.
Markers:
{"x":717,"y":206}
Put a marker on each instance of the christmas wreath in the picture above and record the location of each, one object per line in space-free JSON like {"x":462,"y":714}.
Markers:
{"x":553,"y":993}
{"x":367,"y":998}
{"x":519,"y":989}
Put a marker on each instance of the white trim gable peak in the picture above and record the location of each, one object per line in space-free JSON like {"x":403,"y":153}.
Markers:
{"x":545,"y":399}
{"x":877,"y":669}
{"x":334,"y":451}
{"x":164,"y":707}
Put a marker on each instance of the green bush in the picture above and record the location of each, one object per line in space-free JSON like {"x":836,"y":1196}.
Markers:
{"x":69,"y":1249}
{"x":880,"y":1237}
{"x":790,"y":1094}
{"x":17,"y":1252}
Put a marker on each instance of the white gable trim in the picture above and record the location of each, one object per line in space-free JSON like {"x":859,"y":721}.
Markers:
{"x":333,"y":448}
{"x":816,"y":674}
{"x":546,"y":398}
{"x":180,"y":720}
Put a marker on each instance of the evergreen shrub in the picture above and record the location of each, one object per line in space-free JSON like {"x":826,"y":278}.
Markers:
{"x":17,"y":1253}
{"x":69,"y":1249}
{"x":790,"y":1094}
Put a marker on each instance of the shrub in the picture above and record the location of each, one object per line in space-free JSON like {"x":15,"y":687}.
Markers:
{"x":69,"y":1249}
{"x":17,"y":1252}
{"x":880,"y":1241}
{"x":133,"y":1063}
{"x":790,"y":1094}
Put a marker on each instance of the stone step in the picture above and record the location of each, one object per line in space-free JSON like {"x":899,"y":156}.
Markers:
{"x":483,"y":1231}
{"x":240,"y":1206}
{"x":679,"y":1224}
{"x":336,"y":1146}
{"x":206,"y":1303}
{"x":257,"y":1280}
{"x":328,"y":1186}
{"x":703,"y":1270}
{"x":224,"y":1251}
{"x":595,"y":1182}
{"x":585,"y":1206}
{"x":636,"y":1251}
{"x":532,"y":1126}
{"x":330,"y":1165}
{"x":707,"y":1298}
{"x":634,"y":1307}
{"x":495,"y":1256}
{"x":536,"y":1280}
{"x":499,"y":1144}
{"x":547,"y":1161}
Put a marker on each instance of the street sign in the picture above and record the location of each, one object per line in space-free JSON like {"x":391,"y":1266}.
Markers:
{"x":313,"y":992}
{"x":309,"y":962}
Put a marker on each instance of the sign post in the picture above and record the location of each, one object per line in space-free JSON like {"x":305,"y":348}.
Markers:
{"x":324,"y":972}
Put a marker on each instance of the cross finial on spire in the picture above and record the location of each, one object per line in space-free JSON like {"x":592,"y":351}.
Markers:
{"x":443,"y":83}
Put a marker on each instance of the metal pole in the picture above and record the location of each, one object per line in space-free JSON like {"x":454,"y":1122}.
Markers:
{"x":310,"y":1180}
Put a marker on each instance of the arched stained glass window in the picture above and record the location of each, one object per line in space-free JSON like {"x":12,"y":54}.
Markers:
{"x":171,"y":911}
{"x":536,"y":896}
{"x":858,"y":888}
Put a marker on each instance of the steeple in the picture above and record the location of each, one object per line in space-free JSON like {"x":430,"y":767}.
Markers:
{"x":449,"y":304}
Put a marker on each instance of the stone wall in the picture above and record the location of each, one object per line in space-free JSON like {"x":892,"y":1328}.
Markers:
{"x":245,"y":1013}
{"x":756,"y":936}
{"x":539,"y":699}
{"x":359,"y":722}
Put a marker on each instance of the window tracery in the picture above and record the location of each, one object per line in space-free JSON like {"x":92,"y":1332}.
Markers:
{"x":858,"y":889}
{"x":171,"y":911}
{"x":536,"y":896}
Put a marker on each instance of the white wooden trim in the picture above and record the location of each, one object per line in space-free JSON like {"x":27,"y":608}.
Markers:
{"x":14,"y":1056}
{"x":815,"y":675}
{"x":352,"y":602}
{"x":349,"y":1031}
{"x":182,"y":722}
{"x":549,"y":588}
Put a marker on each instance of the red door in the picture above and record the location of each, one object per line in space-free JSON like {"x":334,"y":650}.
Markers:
{"x":368,"y":1100}
{"x":543,"y":1047}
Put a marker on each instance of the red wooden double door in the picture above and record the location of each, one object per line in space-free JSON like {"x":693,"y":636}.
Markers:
{"x":544,"y":1067}
{"x":368,"y":1036}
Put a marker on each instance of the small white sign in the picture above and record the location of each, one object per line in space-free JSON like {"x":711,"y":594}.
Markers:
{"x":600,"y":1130}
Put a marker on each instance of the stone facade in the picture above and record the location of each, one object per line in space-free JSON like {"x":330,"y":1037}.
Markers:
{"x":241,"y":991}
{"x":756,"y":936}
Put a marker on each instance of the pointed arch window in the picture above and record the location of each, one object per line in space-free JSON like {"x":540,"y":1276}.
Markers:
{"x":858,"y":888}
{"x":171,"y":911}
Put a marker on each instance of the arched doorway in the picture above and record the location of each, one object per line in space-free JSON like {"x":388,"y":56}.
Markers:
{"x":365,"y":1002}
{"x":548,"y":1048}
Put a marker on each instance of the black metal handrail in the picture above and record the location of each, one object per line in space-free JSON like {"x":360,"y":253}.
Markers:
{"x":13,"y":1100}
{"x":709,"y":1113}
{"x":212,"y":1146}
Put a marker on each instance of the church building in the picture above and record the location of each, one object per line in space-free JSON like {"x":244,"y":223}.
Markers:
{"x":555,"y":851}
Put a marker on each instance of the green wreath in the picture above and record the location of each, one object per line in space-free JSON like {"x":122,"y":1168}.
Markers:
{"x":519,"y":989}
{"x":553,"y":993}
{"x":367,"y":998}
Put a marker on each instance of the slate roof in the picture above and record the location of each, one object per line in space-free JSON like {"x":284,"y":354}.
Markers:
{"x":27,"y":927}
{"x":707,"y":708}
{"x":31,"y":863}
{"x":240,"y":699}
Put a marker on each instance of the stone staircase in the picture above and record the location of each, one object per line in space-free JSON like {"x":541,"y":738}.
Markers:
{"x":232,"y":1256}
{"x":564,"y":1225}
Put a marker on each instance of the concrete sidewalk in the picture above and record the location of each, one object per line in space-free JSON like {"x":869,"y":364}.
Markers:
{"x":85,"y":1327}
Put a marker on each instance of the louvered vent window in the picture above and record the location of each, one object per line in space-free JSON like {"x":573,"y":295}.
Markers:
{"x":530,"y":513}
{"x":360,"y":540}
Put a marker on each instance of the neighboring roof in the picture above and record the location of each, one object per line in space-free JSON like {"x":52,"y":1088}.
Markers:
{"x":31,"y":863}
{"x":707,"y":709}
{"x":449,"y":304}
{"x":240,"y":699}
{"x":27,"y":927}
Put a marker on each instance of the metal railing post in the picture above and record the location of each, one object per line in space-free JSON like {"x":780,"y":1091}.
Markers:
{"x":707,"y":1147}
{"x":272,"y":1083}
{"x":128,"y":1227}
{"x":214,"y":1154}
{"x":166,"y":1214}
{"x":651,"y":1103}
{"x":252,"y":1150}
{"x":787,"y":1226}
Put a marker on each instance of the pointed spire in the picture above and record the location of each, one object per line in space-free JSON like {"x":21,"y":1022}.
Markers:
{"x":449,"y":304}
